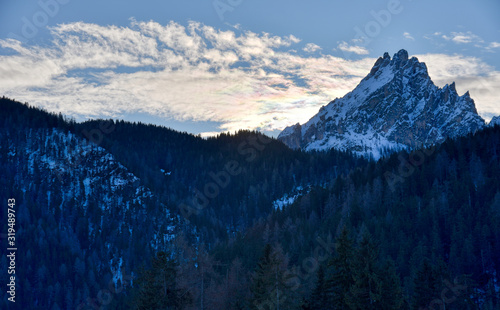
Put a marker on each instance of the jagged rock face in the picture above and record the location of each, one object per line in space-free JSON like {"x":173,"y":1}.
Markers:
{"x":495,"y":121}
{"x":292,"y":136}
{"x":395,"y":106}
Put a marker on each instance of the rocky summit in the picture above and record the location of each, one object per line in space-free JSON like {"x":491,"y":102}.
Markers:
{"x":495,"y":121}
{"x":396,"y":106}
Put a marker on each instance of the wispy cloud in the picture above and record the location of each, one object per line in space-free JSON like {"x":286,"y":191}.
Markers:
{"x":494,"y":45}
{"x":463,"y":37}
{"x":359,"y":50}
{"x":408,"y":36}
{"x":433,"y":36}
{"x":195,"y":72}
{"x":311,"y":48}
{"x":237,"y":78}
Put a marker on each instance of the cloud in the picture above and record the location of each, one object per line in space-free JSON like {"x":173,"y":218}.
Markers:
{"x":463,"y":37}
{"x":359,"y":50}
{"x":433,"y":36}
{"x":311,"y":48}
{"x":237,"y":78}
{"x":408,"y":36}
{"x":207,"y":134}
{"x":493,"y":45}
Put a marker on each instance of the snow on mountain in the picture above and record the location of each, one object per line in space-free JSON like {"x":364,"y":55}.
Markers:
{"x":289,"y":198}
{"x":396,"y":106}
{"x":80,"y":182}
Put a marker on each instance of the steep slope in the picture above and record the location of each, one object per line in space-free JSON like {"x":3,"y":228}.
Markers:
{"x":395,"y":106}
{"x":84,"y":223}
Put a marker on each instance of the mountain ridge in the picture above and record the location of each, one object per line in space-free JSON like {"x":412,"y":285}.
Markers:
{"x":495,"y":121}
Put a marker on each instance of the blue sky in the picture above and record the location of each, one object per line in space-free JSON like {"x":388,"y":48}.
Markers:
{"x":208,"y":66}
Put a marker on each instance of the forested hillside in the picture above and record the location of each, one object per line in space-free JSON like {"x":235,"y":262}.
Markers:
{"x":421,"y":230}
{"x":222,"y":184}
{"x":123,"y":215}
{"x":97,"y":200}
{"x":415,"y":230}
{"x":84,"y":223}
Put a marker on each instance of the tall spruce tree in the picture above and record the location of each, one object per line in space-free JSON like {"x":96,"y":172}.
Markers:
{"x":339,"y":273}
{"x":270,"y":282}
{"x":319,"y":298}
{"x":366,"y":290}
{"x":156,"y":287}
{"x":426,"y":286}
{"x":392,"y":294}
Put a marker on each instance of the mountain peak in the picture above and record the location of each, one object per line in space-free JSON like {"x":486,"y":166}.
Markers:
{"x":395,"y":106}
{"x":452,"y":87}
{"x":401,"y":55}
{"x":399,"y":59}
{"x":495,"y":121}
{"x":400,"y":62}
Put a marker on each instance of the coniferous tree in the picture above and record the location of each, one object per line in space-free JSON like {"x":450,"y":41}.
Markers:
{"x":426,"y":286}
{"x":262,"y":280}
{"x":270,"y":282}
{"x":339,"y":272}
{"x":319,"y":295}
{"x":366,"y":290}
{"x":156,"y":287}
{"x":391,"y":293}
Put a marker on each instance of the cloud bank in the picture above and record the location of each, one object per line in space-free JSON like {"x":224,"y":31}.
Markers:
{"x":240,"y":79}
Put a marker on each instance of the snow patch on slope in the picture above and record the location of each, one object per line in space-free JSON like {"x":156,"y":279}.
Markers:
{"x":288,"y":199}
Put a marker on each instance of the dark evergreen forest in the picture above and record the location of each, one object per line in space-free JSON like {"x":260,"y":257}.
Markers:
{"x":120,"y":215}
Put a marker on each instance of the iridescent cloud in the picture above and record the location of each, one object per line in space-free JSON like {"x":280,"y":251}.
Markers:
{"x":240,"y":79}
